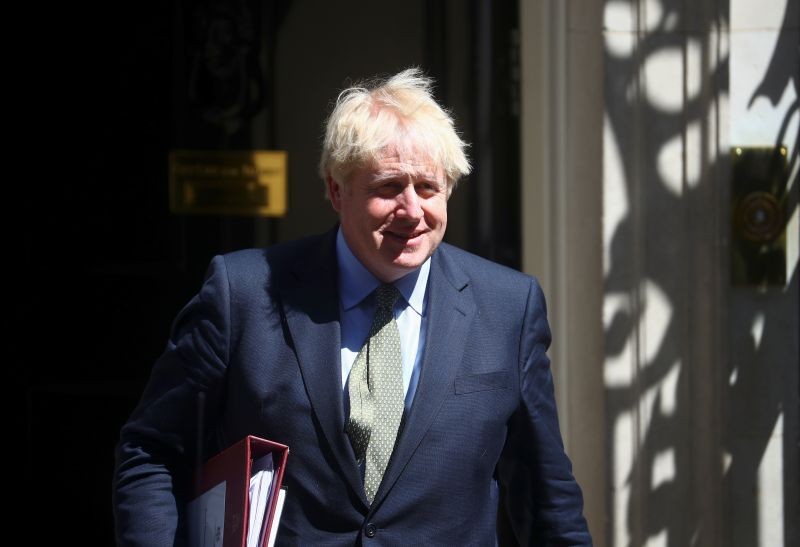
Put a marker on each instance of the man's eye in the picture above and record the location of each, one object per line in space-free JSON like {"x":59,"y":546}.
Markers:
{"x":427,"y":188}
{"x":389,"y":189}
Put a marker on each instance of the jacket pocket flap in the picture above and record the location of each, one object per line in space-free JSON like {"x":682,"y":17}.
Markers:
{"x":481,"y":382}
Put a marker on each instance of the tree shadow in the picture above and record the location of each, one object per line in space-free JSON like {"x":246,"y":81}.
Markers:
{"x":655,"y":271}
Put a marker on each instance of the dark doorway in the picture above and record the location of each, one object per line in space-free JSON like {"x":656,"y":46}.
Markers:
{"x":110,"y":89}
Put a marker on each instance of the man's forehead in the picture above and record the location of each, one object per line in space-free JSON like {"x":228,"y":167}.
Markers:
{"x":392,"y":168}
{"x":405,"y":156}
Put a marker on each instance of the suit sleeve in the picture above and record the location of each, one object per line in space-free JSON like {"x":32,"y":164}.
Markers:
{"x":157,"y":450}
{"x":544,"y":504}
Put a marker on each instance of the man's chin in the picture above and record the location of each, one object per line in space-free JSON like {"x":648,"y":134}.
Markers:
{"x":410,"y":260}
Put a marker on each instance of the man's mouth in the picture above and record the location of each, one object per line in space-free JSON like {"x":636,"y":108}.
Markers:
{"x":404,"y":236}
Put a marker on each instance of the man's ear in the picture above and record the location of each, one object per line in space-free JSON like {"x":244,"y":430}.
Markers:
{"x":334,"y":192}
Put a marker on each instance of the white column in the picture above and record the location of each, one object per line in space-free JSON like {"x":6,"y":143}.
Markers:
{"x":562,"y":104}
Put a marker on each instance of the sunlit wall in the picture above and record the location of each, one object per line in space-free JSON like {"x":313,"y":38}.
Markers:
{"x":700,"y":374}
{"x":699,"y":383}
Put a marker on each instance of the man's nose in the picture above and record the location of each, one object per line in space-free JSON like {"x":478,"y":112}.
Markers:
{"x":410,"y":205}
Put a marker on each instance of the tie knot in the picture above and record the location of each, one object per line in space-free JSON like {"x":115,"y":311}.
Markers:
{"x":386,"y":295}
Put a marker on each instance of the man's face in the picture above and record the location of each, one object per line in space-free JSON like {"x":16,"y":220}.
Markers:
{"x":393,"y":213}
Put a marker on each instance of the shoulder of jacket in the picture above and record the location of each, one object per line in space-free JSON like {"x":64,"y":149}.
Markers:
{"x":480,"y":269}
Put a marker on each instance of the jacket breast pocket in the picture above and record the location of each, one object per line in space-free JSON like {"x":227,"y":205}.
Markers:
{"x":481,"y":382}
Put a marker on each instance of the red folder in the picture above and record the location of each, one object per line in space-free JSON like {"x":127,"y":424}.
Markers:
{"x":233,"y":465}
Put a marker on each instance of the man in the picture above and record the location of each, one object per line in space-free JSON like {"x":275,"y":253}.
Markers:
{"x":408,"y":378}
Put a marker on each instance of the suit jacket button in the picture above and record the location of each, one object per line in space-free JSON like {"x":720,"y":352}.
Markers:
{"x":370,"y":530}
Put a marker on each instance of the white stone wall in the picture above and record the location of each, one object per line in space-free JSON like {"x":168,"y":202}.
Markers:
{"x":663,"y":267}
{"x":700,"y":376}
{"x":761,"y":373}
{"x":630,"y":110}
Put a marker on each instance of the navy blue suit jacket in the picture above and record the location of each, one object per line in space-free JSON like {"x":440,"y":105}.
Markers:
{"x":261,"y":340}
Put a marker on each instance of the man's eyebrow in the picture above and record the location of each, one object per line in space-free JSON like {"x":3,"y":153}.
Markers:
{"x":381,"y":176}
{"x":401,"y":174}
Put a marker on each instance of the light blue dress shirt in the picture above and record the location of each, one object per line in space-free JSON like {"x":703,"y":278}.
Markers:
{"x":357,"y":308}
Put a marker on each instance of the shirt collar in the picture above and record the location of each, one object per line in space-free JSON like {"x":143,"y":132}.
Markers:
{"x":356,"y":282}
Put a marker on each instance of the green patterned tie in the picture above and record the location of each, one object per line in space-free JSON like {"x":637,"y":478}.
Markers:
{"x":376,"y":392}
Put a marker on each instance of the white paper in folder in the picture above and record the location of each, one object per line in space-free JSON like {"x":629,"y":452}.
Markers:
{"x":206,"y":515}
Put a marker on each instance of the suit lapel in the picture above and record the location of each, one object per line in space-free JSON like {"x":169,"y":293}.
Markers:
{"x":311,"y":306}
{"x":450,"y":310}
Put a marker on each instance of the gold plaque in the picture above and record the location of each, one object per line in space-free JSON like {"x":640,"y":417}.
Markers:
{"x":228,"y":182}
{"x":759,"y":200}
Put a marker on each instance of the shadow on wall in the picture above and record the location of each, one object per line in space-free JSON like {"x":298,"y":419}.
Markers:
{"x":667,"y":245}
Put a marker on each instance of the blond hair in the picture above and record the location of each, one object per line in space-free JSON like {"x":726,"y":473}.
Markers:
{"x":399,"y":111}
